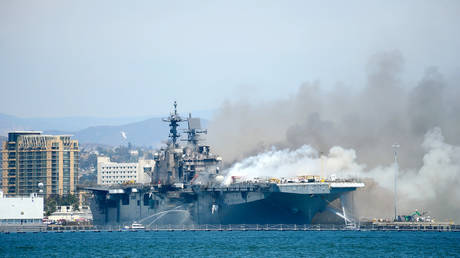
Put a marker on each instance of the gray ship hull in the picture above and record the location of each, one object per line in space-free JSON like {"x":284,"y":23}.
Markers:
{"x":276,"y":208}
{"x":211,"y":206}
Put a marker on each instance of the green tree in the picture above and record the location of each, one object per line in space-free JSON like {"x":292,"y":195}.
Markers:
{"x":54,"y":200}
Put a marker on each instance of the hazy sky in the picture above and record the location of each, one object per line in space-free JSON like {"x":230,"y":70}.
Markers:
{"x":133,"y":58}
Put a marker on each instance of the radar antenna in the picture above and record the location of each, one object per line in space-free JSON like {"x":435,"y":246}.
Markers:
{"x":174,"y":119}
{"x":194,"y":130}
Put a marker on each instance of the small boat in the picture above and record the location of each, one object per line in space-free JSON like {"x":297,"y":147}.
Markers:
{"x":135,"y":226}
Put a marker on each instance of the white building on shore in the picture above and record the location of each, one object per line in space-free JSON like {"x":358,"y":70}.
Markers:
{"x":67,"y":213}
{"x":111,"y":173}
{"x":21,"y":210}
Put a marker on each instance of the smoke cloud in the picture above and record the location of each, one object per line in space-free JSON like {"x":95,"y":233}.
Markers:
{"x":293,"y":131}
{"x":291,"y":163}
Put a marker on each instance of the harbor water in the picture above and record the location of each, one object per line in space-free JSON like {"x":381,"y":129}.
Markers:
{"x":231,"y":243}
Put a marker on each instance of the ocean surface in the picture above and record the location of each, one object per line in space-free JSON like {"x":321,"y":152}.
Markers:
{"x":232,"y":244}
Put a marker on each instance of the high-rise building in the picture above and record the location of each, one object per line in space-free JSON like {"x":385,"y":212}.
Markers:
{"x":32,"y":162}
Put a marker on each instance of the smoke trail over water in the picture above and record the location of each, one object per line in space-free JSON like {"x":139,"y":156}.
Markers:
{"x":284,"y":137}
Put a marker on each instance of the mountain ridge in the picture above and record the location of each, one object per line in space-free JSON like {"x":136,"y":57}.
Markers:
{"x":148,"y":132}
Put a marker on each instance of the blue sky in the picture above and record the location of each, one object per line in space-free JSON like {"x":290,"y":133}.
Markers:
{"x":133,"y":58}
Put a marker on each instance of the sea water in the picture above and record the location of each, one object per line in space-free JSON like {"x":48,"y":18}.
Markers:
{"x":231,"y":244}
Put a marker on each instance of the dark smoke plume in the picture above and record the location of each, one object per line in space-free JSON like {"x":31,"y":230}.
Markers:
{"x":369,"y":121}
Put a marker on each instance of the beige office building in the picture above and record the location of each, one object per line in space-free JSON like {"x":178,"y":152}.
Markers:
{"x":30,"y":158}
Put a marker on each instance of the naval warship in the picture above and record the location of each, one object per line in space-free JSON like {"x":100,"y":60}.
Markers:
{"x":187,"y":187}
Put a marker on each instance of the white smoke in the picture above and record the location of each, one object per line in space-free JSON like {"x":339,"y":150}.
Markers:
{"x":291,"y":163}
{"x":433,"y":187}
{"x":276,"y":163}
{"x":388,"y":109}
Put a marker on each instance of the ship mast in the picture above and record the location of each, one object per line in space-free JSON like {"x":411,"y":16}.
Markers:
{"x":174,"y":119}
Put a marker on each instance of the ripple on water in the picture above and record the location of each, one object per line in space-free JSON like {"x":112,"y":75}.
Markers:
{"x":224,"y":244}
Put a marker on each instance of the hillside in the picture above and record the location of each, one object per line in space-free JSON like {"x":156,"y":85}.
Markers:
{"x":149,"y":132}
{"x":69,"y":124}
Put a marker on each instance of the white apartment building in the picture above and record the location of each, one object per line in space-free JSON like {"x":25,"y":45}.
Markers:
{"x":111,"y":173}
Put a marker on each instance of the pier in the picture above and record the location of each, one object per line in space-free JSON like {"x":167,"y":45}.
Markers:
{"x":381,"y":226}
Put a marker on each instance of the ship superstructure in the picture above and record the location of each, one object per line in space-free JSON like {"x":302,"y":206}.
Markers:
{"x":180,"y":164}
{"x":187,"y":188}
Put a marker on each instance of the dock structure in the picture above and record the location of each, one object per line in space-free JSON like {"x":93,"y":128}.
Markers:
{"x":381,"y":226}
{"x":414,"y":226}
{"x":442,"y":226}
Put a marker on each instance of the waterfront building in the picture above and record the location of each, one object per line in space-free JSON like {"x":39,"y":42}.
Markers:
{"x":21,"y":210}
{"x":33,"y":162}
{"x":110,"y":173}
{"x":69,"y":214}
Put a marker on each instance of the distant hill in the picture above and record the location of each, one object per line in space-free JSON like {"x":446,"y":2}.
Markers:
{"x":105,"y":131}
{"x":9,"y":123}
{"x":148,"y":132}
